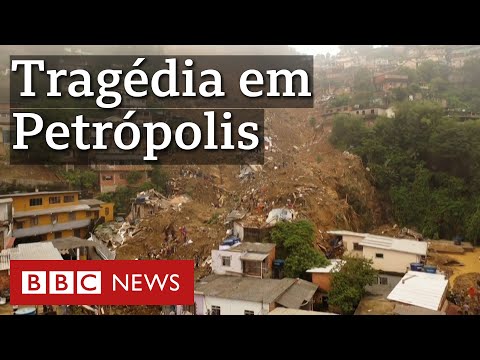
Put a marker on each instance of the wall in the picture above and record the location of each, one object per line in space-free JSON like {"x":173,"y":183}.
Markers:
{"x":349,"y":240}
{"x":22,"y":203}
{"x":238,"y":230}
{"x":235,"y":307}
{"x":107,"y":208}
{"x":117,"y":178}
{"x":200,"y":304}
{"x":5,"y":211}
{"x":235,"y":262}
{"x":393,"y":261}
{"x":323,"y":280}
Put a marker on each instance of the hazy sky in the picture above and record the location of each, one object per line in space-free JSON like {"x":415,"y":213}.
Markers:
{"x":319,"y":49}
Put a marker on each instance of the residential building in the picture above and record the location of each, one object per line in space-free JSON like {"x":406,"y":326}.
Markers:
{"x":251,"y":229}
{"x":391,"y":254}
{"x":99,"y":208}
{"x":6,"y":220}
{"x":287,"y":311}
{"x":112,"y":176}
{"x":4,"y":125}
{"x":52,"y":215}
{"x":387,"y":82}
{"x":351,"y":240}
{"x":373,"y":112}
{"x":422,"y":290}
{"x":233,"y":295}
{"x":244,"y":259}
{"x":30,"y":251}
{"x":322,"y":277}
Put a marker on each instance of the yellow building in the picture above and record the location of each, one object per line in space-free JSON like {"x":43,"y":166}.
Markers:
{"x":54,"y":215}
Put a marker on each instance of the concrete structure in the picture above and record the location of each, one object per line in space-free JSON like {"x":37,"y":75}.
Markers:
{"x":5,"y":221}
{"x":281,"y":214}
{"x":32,"y":251}
{"x":103,"y":209}
{"x":387,"y":82}
{"x":351,"y":240}
{"x":112,"y":176}
{"x":322,"y":277}
{"x":232,"y":295}
{"x":244,"y":259}
{"x":421,"y":289}
{"x":393,"y":255}
{"x":52,"y":215}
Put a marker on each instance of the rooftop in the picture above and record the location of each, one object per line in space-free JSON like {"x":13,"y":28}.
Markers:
{"x":328,"y":268}
{"x":298,"y":295}
{"x":262,"y":248}
{"x":91,"y":202}
{"x":244,"y":288}
{"x":52,"y":210}
{"x":285,"y":311}
{"x":420,"y":289}
{"x":6,"y":200}
{"x":394,"y":244}
{"x":38,"y":193}
{"x":44,"y":229}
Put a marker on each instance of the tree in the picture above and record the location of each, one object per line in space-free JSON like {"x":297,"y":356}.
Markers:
{"x":81,"y":179}
{"x":159,"y":179}
{"x":295,"y":244}
{"x":133,"y":177}
{"x":363,"y":81}
{"x":348,"y":283}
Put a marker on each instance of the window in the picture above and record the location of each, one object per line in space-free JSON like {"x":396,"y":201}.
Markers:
{"x":363,"y":112}
{"x":34,"y":221}
{"x":107,"y":211}
{"x":226,"y":261}
{"x":72,"y":216}
{"x":382,"y":280}
{"x":379,"y":256}
{"x":19,"y":225}
{"x":68,"y":198}
{"x":76,"y":233}
{"x":357,"y":246}
{"x":249,"y":312}
{"x":54,"y":200}
{"x":372,"y":111}
{"x":36,"y":202}
{"x":88,"y":213}
{"x":215,"y":310}
{"x":107,"y":177}
{"x":57,"y":234}
{"x":358,"y":112}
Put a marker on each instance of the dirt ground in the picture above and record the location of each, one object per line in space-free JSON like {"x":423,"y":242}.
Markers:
{"x":470,"y":261}
{"x":375,"y":305}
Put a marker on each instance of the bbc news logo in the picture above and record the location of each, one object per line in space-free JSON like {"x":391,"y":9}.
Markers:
{"x":119,"y":282}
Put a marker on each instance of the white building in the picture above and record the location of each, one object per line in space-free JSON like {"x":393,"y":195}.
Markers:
{"x":232,"y":295}
{"x":6,"y":216}
{"x":249,"y":259}
{"x":421,"y":289}
{"x":391,"y":254}
{"x":388,"y":254}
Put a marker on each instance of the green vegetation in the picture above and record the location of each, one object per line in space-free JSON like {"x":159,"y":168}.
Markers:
{"x":159,"y":179}
{"x":81,"y":179}
{"x":133,"y":177}
{"x":426,"y":165}
{"x":122,"y":198}
{"x":348,"y":283}
{"x":295,"y":244}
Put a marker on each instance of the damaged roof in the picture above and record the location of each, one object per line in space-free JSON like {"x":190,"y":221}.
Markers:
{"x":235,"y":215}
{"x":298,"y":295}
{"x":244,"y":288}
{"x":252,"y":247}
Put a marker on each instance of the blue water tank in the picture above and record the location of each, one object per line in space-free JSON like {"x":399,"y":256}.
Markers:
{"x":430,"y":269}
{"x":416,"y":266}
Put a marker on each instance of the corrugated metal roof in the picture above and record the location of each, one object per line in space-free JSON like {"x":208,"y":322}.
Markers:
{"x":420,"y":289}
{"x":37,"y":251}
{"x":394,"y":244}
{"x":298,"y":295}
{"x":52,"y":210}
{"x":253,"y":257}
{"x":44,"y":229}
{"x":328,"y":268}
